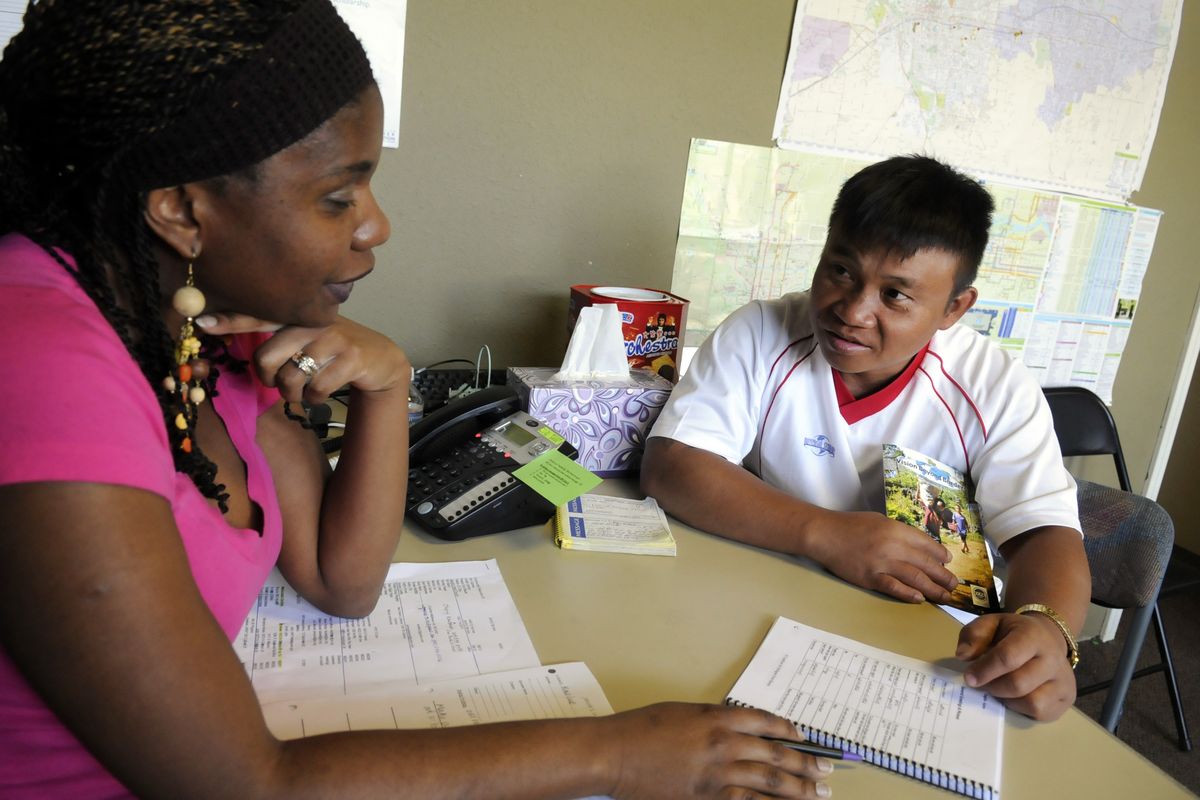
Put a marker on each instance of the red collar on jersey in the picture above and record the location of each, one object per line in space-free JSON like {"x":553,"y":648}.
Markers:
{"x":853,"y":410}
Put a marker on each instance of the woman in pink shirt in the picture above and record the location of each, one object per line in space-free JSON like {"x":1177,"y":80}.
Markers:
{"x":185,"y":204}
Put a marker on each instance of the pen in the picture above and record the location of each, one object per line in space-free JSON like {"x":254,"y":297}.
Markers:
{"x":816,"y":749}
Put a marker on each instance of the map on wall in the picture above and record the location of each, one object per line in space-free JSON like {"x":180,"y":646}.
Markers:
{"x":1063,"y":96}
{"x":1058,"y":284}
{"x":752,"y":226}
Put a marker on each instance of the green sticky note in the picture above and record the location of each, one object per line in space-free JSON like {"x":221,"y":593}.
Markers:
{"x":556,"y":477}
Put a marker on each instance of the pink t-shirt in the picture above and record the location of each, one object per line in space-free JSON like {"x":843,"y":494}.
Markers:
{"x":76,"y":407}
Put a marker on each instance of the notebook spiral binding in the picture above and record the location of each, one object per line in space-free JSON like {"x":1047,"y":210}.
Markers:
{"x":892,"y":763}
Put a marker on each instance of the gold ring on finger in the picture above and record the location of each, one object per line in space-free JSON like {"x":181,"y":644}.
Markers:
{"x":306,"y":364}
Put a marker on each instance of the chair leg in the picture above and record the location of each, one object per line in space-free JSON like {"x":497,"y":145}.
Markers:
{"x":1160,"y":633}
{"x":1135,"y":637}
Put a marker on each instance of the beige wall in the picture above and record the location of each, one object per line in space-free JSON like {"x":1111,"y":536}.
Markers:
{"x":1178,"y":492}
{"x":1160,"y":326}
{"x":544,"y":143}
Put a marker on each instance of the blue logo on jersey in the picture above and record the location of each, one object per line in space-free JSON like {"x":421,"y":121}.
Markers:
{"x":819,"y":445}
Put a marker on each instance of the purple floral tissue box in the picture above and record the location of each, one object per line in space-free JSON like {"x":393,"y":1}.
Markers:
{"x":607,"y":421}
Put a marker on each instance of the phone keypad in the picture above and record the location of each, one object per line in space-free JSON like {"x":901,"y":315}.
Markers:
{"x":447,"y":482}
{"x":483,"y":492}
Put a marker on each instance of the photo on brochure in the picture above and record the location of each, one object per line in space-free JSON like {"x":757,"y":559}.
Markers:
{"x":939,"y":501}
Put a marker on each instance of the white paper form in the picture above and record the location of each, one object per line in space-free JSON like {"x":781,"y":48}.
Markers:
{"x":558,"y":691}
{"x":881,"y":705}
{"x":379,"y":25}
{"x":11,"y":12}
{"x":433,"y":622}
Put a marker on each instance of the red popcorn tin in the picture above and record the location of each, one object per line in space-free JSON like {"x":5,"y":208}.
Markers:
{"x":652,"y":323}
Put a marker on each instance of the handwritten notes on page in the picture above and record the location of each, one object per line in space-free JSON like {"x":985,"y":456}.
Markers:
{"x":556,"y":477}
{"x":433,"y":622}
{"x":551,"y":692}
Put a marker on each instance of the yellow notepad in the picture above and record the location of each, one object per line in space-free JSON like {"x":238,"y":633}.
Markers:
{"x":613,"y":525}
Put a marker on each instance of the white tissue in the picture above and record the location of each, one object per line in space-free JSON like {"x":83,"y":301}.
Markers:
{"x":597,"y":346}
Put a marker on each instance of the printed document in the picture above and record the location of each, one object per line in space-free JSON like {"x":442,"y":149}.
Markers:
{"x":433,"y":622}
{"x":551,"y":692}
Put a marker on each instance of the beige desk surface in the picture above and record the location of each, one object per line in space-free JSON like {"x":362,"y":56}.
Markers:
{"x":654,"y":628}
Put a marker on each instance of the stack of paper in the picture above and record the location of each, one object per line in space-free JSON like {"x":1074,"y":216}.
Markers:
{"x":613,"y":525}
{"x":445,"y":646}
{"x":554,"y":692}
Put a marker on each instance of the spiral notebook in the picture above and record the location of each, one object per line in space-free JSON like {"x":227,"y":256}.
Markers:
{"x":905,"y":715}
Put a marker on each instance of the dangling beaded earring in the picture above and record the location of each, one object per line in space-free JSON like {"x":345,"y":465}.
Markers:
{"x":188,"y":302}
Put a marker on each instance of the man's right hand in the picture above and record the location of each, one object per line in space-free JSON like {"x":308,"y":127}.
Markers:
{"x":863,"y":547}
{"x":875,"y":552}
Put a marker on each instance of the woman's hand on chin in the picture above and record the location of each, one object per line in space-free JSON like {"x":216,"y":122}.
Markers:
{"x":309,"y":364}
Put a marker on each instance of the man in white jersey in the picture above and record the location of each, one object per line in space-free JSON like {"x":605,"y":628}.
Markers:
{"x":774,"y":436}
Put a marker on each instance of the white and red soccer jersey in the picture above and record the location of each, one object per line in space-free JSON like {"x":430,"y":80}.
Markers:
{"x":759,"y":393}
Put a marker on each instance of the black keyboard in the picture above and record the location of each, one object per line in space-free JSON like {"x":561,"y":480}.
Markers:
{"x":435,"y":385}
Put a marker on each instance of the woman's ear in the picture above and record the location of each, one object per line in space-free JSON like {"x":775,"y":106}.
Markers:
{"x":168,"y":212}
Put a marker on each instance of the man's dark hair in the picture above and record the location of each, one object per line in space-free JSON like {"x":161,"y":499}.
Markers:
{"x":911,"y":203}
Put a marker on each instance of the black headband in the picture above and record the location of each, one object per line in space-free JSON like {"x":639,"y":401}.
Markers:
{"x":307,"y":70}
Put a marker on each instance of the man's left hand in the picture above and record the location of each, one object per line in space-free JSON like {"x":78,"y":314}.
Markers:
{"x":1020,"y":659}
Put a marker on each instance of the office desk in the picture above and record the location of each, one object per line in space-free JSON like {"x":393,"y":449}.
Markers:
{"x":654,"y":628}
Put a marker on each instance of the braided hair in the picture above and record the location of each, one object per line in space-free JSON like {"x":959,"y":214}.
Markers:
{"x":103,"y":100}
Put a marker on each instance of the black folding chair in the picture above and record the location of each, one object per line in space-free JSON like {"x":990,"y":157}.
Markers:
{"x":1128,"y":539}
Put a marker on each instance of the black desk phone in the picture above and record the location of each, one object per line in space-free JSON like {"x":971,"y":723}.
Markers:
{"x":461,"y":458}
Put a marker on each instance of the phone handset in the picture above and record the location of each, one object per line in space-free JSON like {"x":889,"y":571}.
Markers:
{"x":481,"y":408}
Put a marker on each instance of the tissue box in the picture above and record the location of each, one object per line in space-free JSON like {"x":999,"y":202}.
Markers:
{"x":606,"y":420}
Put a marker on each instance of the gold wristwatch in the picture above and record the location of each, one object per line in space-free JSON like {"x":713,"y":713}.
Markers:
{"x":1047,"y":611}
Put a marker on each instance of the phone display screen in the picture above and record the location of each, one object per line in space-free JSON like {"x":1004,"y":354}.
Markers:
{"x":517,"y":435}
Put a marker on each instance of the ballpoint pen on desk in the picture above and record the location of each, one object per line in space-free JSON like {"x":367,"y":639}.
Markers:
{"x":816,"y":749}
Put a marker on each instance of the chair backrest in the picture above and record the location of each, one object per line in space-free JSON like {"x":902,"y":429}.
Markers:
{"x":1128,"y":540}
{"x":1127,"y":537}
{"x":1085,"y":427}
